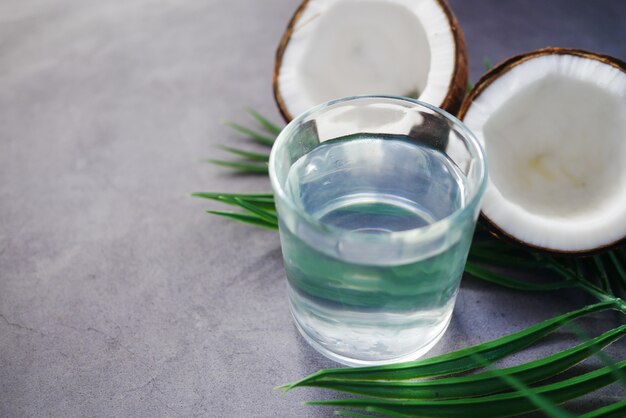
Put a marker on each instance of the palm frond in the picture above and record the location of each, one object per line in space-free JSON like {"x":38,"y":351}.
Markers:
{"x":501,"y":405}
{"x":249,"y":155}
{"x":268,"y":216}
{"x":244,"y":217}
{"x":262,"y":201}
{"x":250,"y":134}
{"x":264,"y":122}
{"x":243,"y":167}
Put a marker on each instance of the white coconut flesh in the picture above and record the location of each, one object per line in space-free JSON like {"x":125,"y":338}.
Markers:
{"x":344,"y":48}
{"x":554,"y":132}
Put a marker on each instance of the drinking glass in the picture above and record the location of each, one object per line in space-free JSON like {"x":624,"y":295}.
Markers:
{"x":377,"y":199}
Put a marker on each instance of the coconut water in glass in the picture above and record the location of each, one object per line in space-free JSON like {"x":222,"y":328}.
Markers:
{"x":377,"y":200}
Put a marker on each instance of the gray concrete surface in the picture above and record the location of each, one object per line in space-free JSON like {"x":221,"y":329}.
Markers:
{"x":118,"y":295}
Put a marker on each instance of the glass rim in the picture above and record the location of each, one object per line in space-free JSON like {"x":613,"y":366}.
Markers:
{"x":434,"y":228}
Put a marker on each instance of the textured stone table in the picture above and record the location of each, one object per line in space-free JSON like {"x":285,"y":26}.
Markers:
{"x":118,"y":295}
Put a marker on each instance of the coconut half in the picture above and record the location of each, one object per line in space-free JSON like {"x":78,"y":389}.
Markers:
{"x":553,"y":124}
{"x":338,"y":48}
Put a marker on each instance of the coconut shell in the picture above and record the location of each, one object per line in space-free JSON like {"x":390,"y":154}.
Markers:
{"x":484,"y":82}
{"x":458,"y":86}
{"x":450,"y":103}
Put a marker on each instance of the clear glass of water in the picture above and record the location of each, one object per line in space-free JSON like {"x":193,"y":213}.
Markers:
{"x":377,"y":200}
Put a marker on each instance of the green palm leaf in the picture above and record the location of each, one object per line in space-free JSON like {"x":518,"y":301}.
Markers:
{"x":266,"y":124}
{"x":257,"y":197}
{"x":352,"y":414}
{"x":249,"y":133}
{"x":262,"y":201}
{"x":538,"y":400}
{"x":270,"y":217}
{"x":244,"y":217}
{"x":242,"y":166}
{"x":249,"y":155}
{"x":502,"y":405}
